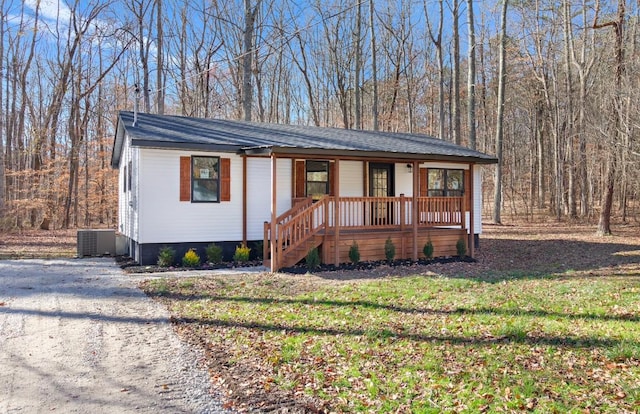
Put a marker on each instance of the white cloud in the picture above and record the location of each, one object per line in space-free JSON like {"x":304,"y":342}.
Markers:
{"x":50,"y":9}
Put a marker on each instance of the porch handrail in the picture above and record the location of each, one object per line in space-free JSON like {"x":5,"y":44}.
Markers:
{"x":297,"y":227}
{"x":299,"y":204}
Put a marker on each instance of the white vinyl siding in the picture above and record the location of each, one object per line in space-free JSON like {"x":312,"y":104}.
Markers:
{"x":477,"y":200}
{"x":403,"y":180}
{"x":351,"y":179}
{"x":258,"y":188}
{"x":259,"y":193}
{"x":165,"y":219}
{"x":128,"y":197}
{"x":284,"y":172}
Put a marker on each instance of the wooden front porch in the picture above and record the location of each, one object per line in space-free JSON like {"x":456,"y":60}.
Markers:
{"x":332,"y":224}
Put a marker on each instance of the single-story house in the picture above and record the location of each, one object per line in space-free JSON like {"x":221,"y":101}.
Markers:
{"x":285,"y":189}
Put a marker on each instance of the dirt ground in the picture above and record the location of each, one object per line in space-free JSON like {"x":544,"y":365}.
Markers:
{"x":78,"y":336}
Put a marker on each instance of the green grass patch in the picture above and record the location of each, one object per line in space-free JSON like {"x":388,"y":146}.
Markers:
{"x":429,"y":344}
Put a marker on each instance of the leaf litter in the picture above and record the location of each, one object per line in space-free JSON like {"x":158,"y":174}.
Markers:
{"x":546,"y":320}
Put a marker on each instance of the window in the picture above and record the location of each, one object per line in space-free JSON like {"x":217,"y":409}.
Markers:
{"x":445,"y":183}
{"x":204,"y":179}
{"x":317,"y":174}
{"x":129,"y":176}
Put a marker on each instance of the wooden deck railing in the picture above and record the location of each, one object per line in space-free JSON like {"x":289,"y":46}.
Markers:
{"x":305,"y":219}
{"x":440,"y":211}
{"x":296,"y":228}
{"x":393,"y":212}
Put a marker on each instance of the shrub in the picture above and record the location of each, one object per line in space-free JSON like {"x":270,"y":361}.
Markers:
{"x":354,"y":253}
{"x":389,"y":249}
{"x":461,"y":248}
{"x":313,"y":259}
{"x":191,"y":259}
{"x":258,"y":247}
{"x":166,"y":256}
{"x":428,"y":250}
{"x":214,"y":253}
{"x":242,"y":254}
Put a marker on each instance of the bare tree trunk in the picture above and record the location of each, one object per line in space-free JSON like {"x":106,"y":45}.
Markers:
{"x":247,"y":57}
{"x":455,"y":99}
{"x":497,"y":196}
{"x":160,"y":56}
{"x":570,"y":136}
{"x":540,"y":153}
{"x":584,"y":69}
{"x":471,"y":80}
{"x":604,"y":222}
{"x":374,"y":68}
{"x":437,"y":42}
{"x":358,"y":67}
{"x":301,"y":62}
{"x":3,"y":182}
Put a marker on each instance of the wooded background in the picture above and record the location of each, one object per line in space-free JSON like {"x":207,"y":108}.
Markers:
{"x":564,"y":120}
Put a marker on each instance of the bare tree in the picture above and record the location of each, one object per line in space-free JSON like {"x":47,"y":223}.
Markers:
{"x":250,"y":13}
{"x":497,"y":198}
{"x":3,"y":192}
{"x":583,"y":66}
{"x":568,"y":123}
{"x":436,"y":39}
{"x":455,"y":87}
{"x":374,"y":67}
{"x":159,"y":59}
{"x":143,"y":13}
{"x":357,"y":35}
{"x":471,"y":79}
{"x":604,"y":221}
{"x":300,"y":59}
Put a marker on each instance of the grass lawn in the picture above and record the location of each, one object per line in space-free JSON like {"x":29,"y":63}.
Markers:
{"x":466,"y":340}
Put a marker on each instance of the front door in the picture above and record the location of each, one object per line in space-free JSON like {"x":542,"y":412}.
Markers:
{"x":381,"y":185}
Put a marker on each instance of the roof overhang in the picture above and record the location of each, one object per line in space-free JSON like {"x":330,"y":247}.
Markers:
{"x":194,"y":146}
{"x":290,"y":152}
{"x":118,"y":144}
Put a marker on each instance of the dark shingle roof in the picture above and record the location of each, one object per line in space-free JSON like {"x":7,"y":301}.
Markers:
{"x":238,"y":136}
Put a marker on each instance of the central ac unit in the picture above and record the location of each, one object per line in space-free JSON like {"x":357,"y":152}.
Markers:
{"x":96,"y":242}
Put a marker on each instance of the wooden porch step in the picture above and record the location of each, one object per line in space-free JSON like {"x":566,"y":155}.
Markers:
{"x":291,"y":257}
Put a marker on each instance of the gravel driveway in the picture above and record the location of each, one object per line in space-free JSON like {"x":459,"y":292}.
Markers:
{"x":77,"y":336}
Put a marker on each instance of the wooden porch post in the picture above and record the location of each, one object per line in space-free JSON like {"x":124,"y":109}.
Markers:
{"x":403,"y":238}
{"x":273,"y":242}
{"x":470,"y":243}
{"x":336,"y":211}
{"x":414,"y":208}
{"x":244,"y":200}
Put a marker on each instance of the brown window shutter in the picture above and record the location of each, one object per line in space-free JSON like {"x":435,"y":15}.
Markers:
{"x":185,"y":178}
{"x":332,"y":178}
{"x":423,"y":182}
{"x":300,"y":179}
{"x":225,"y":179}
